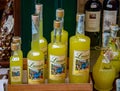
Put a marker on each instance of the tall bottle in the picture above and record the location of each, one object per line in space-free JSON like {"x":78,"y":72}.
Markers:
{"x":93,"y":12}
{"x":79,"y":63}
{"x":110,"y":16}
{"x":57,"y":56}
{"x":16,"y":64}
{"x":64,"y":34}
{"x":114,"y":44}
{"x":42,"y":40}
{"x":35,"y":57}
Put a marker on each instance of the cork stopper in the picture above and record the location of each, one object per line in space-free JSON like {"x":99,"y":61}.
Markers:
{"x":14,"y":46}
{"x":16,"y":39}
{"x":38,"y":8}
{"x":79,"y":17}
{"x":60,"y":12}
{"x":57,"y":24}
{"x":35,"y":19}
{"x":114,"y":27}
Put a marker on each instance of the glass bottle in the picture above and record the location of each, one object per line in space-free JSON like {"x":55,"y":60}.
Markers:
{"x":35,"y":57}
{"x":114,"y":46}
{"x":64,"y":34}
{"x":17,"y":39}
{"x":103,"y":71}
{"x":42,"y":40}
{"x":93,"y":12}
{"x":79,"y":63}
{"x":57,"y":56}
{"x":16,"y":64}
{"x":110,"y":16}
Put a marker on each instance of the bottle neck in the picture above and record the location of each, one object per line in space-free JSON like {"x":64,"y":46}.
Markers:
{"x":62,"y":21}
{"x":80,"y":28}
{"x":35,"y":36}
{"x":40,"y":24}
{"x":57,"y":35}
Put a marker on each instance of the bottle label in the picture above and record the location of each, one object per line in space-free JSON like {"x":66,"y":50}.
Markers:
{"x":117,"y":84}
{"x":9,"y":23}
{"x":108,"y":19}
{"x":15,"y":74}
{"x":57,"y":67}
{"x":81,"y":62}
{"x":35,"y":70}
{"x":93,"y":21}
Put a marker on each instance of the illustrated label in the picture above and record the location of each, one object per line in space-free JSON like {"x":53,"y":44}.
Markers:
{"x":93,"y":21}
{"x":108,"y":19}
{"x":35,"y":70}
{"x":57,"y":67}
{"x":81,"y":62}
{"x":16,"y":74}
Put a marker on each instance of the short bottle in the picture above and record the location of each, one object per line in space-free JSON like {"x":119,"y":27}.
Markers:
{"x":42,"y":40}
{"x":35,"y":57}
{"x":93,"y":11}
{"x":103,"y":71}
{"x":57,"y":57}
{"x":79,"y":58}
{"x":16,"y":64}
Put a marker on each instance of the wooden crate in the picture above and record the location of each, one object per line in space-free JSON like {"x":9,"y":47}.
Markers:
{"x":49,"y":86}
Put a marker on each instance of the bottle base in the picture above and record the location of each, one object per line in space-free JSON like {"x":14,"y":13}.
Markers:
{"x":102,"y":89}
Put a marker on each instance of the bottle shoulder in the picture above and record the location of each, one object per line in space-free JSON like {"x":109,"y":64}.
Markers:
{"x":93,"y":5}
{"x":56,"y":45}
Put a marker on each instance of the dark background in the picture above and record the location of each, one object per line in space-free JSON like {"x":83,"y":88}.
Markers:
{"x":49,"y":9}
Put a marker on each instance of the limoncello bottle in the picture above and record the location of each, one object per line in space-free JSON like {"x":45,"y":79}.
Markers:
{"x":114,"y":43}
{"x":16,"y":64}
{"x":42,"y":39}
{"x":57,"y":57}
{"x":64,"y":34}
{"x":103,"y":71}
{"x":79,"y":58}
{"x":17,"y":39}
{"x":35,"y":57}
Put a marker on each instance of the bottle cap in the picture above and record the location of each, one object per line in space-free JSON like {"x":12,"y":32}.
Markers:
{"x":79,"y":17}
{"x":35,"y":19}
{"x":57,"y":24}
{"x":38,"y":8}
{"x":16,"y":39}
{"x":114,"y":27}
{"x":14,"y":46}
{"x":60,"y":12}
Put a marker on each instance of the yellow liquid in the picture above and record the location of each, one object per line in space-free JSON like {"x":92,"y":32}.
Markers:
{"x":103,"y":75}
{"x":56,"y":50}
{"x":16,"y":68}
{"x":64,"y":36}
{"x":78,"y":43}
{"x":36,"y":57}
{"x":43,"y":46}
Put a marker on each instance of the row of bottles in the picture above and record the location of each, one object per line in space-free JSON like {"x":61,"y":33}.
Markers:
{"x":99,"y":17}
{"x":49,"y":61}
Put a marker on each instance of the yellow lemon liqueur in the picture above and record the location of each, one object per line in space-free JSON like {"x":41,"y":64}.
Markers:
{"x":35,"y":57}
{"x":42,"y":39}
{"x":57,"y":56}
{"x":16,"y":64}
{"x":17,"y":39}
{"x":103,"y":70}
{"x":64,"y":33}
{"x":114,"y":44}
{"x":79,"y":58}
